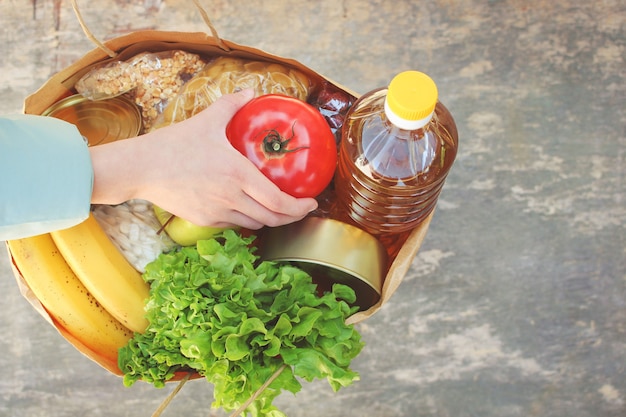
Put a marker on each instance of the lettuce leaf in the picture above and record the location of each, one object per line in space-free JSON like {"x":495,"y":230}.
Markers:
{"x":213,"y":309}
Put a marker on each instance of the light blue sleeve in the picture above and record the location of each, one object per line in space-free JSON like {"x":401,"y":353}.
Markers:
{"x":46,"y":176}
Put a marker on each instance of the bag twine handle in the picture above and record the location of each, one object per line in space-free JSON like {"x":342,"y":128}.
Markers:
{"x":113,"y":54}
{"x":88,"y":33}
{"x":205,"y":17}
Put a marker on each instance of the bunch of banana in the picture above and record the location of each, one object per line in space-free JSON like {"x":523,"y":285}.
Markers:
{"x":64,"y":296}
{"x":104,"y":270}
{"x":85,"y":284}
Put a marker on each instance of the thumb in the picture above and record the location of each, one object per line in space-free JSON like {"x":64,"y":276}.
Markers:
{"x":229,"y":104}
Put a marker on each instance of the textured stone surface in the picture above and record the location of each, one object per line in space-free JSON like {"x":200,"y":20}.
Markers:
{"x":516,"y":303}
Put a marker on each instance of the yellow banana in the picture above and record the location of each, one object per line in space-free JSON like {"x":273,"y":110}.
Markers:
{"x":106,"y":273}
{"x":65,"y":298}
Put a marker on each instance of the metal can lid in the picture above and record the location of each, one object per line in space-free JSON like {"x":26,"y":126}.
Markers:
{"x":100,"y":121}
{"x":331,"y":252}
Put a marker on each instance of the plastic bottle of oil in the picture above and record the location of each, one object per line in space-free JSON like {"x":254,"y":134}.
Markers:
{"x":398,"y":144}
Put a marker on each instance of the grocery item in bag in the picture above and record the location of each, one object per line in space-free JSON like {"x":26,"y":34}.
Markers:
{"x":225,"y":75}
{"x":149,"y":79}
{"x":397,"y":148}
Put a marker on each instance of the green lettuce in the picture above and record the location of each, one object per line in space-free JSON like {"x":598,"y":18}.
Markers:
{"x":215,"y":310}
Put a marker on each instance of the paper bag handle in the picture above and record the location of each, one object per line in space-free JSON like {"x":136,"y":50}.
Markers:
{"x":113,"y":54}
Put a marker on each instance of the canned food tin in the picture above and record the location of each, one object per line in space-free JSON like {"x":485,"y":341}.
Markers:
{"x":100,"y":121}
{"x":331,"y":252}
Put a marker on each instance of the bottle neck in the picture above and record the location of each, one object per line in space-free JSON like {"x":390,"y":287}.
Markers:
{"x":404,"y":123}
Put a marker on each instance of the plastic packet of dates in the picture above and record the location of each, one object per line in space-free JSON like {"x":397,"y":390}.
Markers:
{"x":333,"y":104}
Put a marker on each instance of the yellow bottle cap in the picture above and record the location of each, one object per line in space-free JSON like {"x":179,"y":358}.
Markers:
{"x":412,"y":96}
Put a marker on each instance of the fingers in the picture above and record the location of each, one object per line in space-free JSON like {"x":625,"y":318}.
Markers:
{"x":281,"y":208}
{"x":227,"y":105}
{"x":239,"y":195}
{"x":264,"y":216}
{"x":263,"y":201}
{"x":265,"y":205}
{"x":253,"y":214}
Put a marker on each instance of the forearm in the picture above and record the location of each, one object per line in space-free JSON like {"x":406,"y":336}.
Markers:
{"x":117,"y":171}
{"x":140,"y":168}
{"x":46,"y":176}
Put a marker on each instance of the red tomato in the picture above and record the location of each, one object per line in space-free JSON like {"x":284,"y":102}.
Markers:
{"x":288,"y":140}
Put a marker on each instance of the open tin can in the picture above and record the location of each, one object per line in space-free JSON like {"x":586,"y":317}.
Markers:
{"x":100,"y":121}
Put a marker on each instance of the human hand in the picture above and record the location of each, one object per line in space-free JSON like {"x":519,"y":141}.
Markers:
{"x":191,"y":170}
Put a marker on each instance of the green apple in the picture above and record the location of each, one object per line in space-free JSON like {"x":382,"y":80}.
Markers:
{"x":183,"y":231}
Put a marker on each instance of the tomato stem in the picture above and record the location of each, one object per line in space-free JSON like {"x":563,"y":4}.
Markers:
{"x":275,"y":145}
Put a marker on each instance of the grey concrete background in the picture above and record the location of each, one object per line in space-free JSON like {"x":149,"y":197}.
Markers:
{"x":516,"y":303}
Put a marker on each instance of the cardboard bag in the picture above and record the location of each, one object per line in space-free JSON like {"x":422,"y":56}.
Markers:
{"x":62,"y":84}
